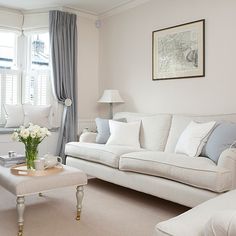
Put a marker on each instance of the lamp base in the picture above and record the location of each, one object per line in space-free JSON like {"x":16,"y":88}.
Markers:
{"x":111,"y":111}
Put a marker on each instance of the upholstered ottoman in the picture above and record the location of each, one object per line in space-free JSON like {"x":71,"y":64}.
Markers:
{"x":215,"y":217}
{"x":21,"y":186}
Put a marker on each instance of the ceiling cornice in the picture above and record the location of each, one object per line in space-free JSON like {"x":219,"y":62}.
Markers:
{"x":10,"y":10}
{"x":76,"y":11}
{"x":121,"y":8}
{"x":80,"y":12}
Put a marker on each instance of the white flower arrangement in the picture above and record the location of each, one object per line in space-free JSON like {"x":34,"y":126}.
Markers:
{"x":31,"y":136}
{"x":35,"y":132}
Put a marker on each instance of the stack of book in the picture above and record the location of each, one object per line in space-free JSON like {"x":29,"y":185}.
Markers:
{"x":7,"y":161}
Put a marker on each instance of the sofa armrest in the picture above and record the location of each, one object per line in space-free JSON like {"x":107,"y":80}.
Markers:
{"x":88,"y":137}
{"x":227,"y":160}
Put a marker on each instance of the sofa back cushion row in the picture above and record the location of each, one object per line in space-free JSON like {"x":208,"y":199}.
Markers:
{"x":161,"y":132}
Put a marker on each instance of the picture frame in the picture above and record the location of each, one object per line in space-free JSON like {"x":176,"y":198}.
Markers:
{"x":178,"y":52}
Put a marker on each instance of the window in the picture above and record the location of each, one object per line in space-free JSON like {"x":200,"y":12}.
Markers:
{"x":7,"y":50}
{"x":31,"y":82}
{"x":37,"y":82}
{"x":10,"y":77}
{"x":39,"y":50}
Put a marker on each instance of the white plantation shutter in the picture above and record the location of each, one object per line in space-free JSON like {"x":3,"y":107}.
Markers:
{"x":10,"y":89}
{"x":37,"y":87}
{"x":36,"y":80}
{"x":43,"y":87}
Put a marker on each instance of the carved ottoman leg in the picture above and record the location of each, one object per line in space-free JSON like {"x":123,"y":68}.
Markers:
{"x":20,"y":206}
{"x":79,"y":197}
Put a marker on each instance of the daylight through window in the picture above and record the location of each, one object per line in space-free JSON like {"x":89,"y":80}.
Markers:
{"x":29,"y":82}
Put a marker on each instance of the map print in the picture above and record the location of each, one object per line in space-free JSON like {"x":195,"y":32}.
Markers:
{"x":178,"y":52}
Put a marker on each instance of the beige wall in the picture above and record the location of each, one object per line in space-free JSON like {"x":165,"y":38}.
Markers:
{"x":88,"y":37}
{"x":125,"y":58}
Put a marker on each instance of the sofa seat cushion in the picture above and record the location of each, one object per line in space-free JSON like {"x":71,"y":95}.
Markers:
{"x":105,"y":154}
{"x":200,"y":172}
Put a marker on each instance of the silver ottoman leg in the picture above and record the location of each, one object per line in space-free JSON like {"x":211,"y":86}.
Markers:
{"x":20,"y":206}
{"x":79,"y":197}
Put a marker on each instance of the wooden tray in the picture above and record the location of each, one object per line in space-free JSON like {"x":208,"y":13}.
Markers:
{"x":21,"y":170}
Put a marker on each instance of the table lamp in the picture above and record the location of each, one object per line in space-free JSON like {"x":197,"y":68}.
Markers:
{"x":111,"y":96}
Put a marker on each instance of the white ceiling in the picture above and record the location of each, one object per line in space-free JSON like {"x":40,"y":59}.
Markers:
{"x":91,"y":6}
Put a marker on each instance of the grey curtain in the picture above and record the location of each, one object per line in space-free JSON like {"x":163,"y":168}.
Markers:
{"x":63,"y":40}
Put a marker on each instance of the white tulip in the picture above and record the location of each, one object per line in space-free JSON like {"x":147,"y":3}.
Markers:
{"x":33,"y":134}
{"x":34,"y":128}
{"x":24,"y":133}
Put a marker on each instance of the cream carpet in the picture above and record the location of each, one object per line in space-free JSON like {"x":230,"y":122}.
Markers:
{"x":108,"y":210}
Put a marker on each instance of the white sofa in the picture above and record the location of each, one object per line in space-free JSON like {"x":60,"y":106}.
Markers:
{"x":215,"y":217}
{"x":155,"y":168}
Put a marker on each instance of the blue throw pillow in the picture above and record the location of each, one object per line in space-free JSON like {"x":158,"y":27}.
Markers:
{"x":220,"y":139}
{"x":103,"y":129}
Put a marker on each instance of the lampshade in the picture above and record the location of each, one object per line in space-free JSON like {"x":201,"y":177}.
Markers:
{"x":111,"y":96}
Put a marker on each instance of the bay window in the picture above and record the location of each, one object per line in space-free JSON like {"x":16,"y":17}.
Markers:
{"x":24,"y":70}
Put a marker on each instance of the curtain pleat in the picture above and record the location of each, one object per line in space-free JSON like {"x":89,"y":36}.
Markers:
{"x":63,"y":42}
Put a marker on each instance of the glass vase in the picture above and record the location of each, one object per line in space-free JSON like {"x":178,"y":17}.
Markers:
{"x":31,"y":153}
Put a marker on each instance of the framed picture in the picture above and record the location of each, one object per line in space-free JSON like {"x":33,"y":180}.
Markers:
{"x":179,"y":51}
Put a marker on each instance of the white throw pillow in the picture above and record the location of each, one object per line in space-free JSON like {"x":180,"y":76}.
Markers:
{"x":38,"y":115}
{"x":14,"y":115}
{"x":193,"y":138}
{"x":125,"y":134}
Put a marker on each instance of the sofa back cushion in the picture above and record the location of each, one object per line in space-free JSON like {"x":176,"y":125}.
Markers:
{"x":154,"y":128}
{"x":180,"y":122}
